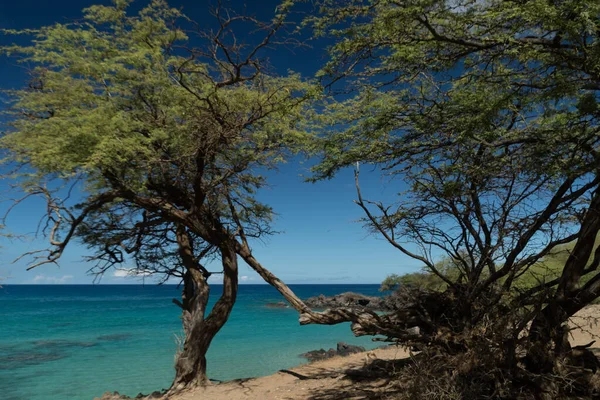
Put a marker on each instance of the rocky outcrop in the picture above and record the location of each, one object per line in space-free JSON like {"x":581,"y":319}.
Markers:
{"x":118,"y":396}
{"x":279,"y":304}
{"x":321,"y":354}
{"x":343,"y":349}
{"x":112,"y":396}
{"x":348,"y":299}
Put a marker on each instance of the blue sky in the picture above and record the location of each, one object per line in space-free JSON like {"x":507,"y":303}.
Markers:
{"x":320,"y":240}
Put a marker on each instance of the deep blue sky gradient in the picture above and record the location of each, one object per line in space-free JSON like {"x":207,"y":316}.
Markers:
{"x":320,"y":240}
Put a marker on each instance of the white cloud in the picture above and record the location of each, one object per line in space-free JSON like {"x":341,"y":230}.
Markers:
{"x":125,"y":272}
{"x":247,"y":278}
{"x":43,"y":279}
{"x":120,"y":273}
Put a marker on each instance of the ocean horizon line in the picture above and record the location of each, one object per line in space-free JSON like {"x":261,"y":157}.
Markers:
{"x":176,"y":284}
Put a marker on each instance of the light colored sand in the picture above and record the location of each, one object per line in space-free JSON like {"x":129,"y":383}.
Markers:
{"x":322,"y":380}
{"x":586,"y":326}
{"x":328,"y":379}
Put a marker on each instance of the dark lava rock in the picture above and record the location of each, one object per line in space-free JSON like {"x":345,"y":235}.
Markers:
{"x":21,"y":359}
{"x":343,"y":349}
{"x":112,"y":396}
{"x":348,"y":299}
{"x":118,"y":396}
{"x":321,"y":354}
{"x":279,"y":304}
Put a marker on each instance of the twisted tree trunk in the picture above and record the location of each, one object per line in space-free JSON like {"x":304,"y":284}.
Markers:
{"x":190,"y":368}
{"x":549,"y":330}
{"x":364,"y":322}
{"x":191,"y":363}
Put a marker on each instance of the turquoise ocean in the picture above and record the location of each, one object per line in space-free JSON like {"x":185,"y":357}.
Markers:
{"x":62,"y":342}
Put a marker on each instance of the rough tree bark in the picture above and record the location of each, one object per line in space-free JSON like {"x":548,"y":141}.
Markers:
{"x":549,"y":330}
{"x":364,"y":322}
{"x":190,"y":368}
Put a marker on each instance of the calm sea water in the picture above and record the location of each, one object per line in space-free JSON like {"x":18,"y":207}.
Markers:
{"x":60,"y":342}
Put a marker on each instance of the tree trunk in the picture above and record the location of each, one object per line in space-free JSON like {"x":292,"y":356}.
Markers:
{"x":190,"y":368}
{"x":549,"y":331}
{"x":191,"y":363}
{"x":364,"y":322}
{"x":548,"y":339}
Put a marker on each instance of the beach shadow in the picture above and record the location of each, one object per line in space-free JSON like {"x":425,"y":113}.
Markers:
{"x":314,"y":373}
{"x":244,"y":384}
{"x":370,"y":381}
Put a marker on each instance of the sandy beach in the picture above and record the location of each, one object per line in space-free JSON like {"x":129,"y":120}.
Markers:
{"x":337,"y":378}
{"x":326,"y":379}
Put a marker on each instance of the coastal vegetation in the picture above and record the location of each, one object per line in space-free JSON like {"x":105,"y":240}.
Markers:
{"x":547,"y":269}
{"x":483,"y":113}
{"x":163,"y":128}
{"x":166,"y":132}
{"x":486,"y":115}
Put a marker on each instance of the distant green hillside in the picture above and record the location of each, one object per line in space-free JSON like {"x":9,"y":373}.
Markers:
{"x":550,"y":267}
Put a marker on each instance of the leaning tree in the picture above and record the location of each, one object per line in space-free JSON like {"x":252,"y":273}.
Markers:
{"x":148,"y":136}
{"x":487,"y":112}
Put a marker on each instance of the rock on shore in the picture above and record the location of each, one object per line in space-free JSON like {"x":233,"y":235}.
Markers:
{"x":348,"y":299}
{"x":118,"y":396}
{"x":279,"y":304}
{"x":343,"y":349}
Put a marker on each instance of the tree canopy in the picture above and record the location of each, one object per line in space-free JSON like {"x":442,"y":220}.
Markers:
{"x":487,"y":112}
{"x":126,"y":102}
{"x":166,"y":130}
{"x":156,"y":118}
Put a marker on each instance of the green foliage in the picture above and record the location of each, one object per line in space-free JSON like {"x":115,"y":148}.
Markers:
{"x":484,"y":110}
{"x":129,"y":105}
{"x":551,"y":267}
{"x":171,"y":129}
{"x":421,"y":280}
{"x":157,"y":125}
{"x":469,"y":69}
{"x":486,"y":113}
{"x":425,"y":279}
{"x":107,"y":93}
{"x":546,"y":270}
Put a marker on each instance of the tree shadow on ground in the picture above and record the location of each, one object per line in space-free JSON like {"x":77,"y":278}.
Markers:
{"x":371,"y":381}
